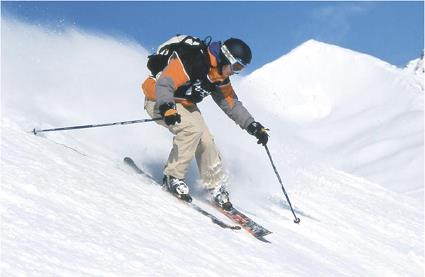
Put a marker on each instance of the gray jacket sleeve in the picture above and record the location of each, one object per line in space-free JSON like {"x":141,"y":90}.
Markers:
{"x":229,"y":103}
{"x":164,"y":89}
{"x":166,"y":85}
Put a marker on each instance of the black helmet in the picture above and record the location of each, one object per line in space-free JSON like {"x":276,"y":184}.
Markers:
{"x":235,"y":51}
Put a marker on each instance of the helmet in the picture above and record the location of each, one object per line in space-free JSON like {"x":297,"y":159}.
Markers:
{"x":235,"y":52}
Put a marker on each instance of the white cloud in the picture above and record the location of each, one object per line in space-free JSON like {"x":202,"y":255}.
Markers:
{"x":333,"y":22}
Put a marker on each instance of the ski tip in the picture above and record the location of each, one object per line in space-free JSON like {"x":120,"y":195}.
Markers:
{"x":263,"y":233}
{"x":263,"y":239}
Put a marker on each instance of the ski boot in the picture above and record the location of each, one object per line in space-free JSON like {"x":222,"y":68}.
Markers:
{"x":177,"y":187}
{"x":221,"y":197}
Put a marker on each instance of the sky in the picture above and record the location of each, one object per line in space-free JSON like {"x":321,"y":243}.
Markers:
{"x":391,"y":31}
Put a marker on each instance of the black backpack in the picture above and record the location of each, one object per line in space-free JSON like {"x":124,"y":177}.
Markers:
{"x":191,"y":50}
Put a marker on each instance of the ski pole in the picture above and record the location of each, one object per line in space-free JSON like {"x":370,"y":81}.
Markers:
{"x":35,"y":131}
{"x":297,"y":220}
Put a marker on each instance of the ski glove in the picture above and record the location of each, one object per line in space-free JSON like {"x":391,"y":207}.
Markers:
{"x":258,"y":130}
{"x":169,"y":113}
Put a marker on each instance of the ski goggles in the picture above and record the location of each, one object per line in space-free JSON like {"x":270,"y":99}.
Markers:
{"x":236,"y":64}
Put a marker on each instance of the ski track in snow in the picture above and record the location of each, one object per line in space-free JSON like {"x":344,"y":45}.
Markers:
{"x":70,"y":207}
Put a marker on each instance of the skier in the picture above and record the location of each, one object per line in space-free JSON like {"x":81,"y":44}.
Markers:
{"x":189,"y":74}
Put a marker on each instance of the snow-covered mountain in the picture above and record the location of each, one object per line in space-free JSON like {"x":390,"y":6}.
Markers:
{"x":346,"y":136}
{"x":416,"y":67}
{"x":364,"y":115}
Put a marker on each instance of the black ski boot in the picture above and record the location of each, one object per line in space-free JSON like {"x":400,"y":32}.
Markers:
{"x":220,"y":197}
{"x":177,"y":187}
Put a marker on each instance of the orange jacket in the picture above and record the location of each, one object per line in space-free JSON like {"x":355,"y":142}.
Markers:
{"x":178,"y":83}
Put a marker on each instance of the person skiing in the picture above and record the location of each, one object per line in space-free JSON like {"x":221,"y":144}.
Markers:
{"x":191,"y":70}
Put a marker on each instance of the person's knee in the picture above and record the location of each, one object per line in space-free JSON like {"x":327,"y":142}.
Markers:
{"x":207,"y":140}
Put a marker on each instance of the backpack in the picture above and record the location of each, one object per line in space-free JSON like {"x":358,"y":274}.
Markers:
{"x":191,"y":49}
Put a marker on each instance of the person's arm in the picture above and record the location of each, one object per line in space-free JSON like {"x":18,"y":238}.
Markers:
{"x":173,"y":76}
{"x":227,"y":100}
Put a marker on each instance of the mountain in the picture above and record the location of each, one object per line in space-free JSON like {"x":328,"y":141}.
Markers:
{"x":416,"y":67}
{"x":363,"y":115}
{"x":70,"y":207}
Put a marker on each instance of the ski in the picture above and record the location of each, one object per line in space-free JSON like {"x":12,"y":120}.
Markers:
{"x":247,"y":223}
{"x":197,"y":208}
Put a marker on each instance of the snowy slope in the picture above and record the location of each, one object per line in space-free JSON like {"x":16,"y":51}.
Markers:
{"x":71,"y":208}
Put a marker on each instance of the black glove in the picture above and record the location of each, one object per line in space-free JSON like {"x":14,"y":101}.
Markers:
{"x":169,"y":113}
{"x":258,"y":130}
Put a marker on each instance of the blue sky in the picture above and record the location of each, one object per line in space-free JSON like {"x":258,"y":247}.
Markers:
{"x":391,"y":31}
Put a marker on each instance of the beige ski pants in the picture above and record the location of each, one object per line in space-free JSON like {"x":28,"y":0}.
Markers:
{"x":191,"y":139}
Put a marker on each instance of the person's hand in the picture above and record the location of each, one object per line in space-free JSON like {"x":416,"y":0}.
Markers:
{"x":169,"y":113}
{"x":258,"y":130}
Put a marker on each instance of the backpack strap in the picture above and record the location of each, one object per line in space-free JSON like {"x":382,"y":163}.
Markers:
{"x":207,"y":40}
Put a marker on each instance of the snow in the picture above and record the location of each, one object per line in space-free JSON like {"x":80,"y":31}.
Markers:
{"x":346,"y":137}
{"x":416,"y":68}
